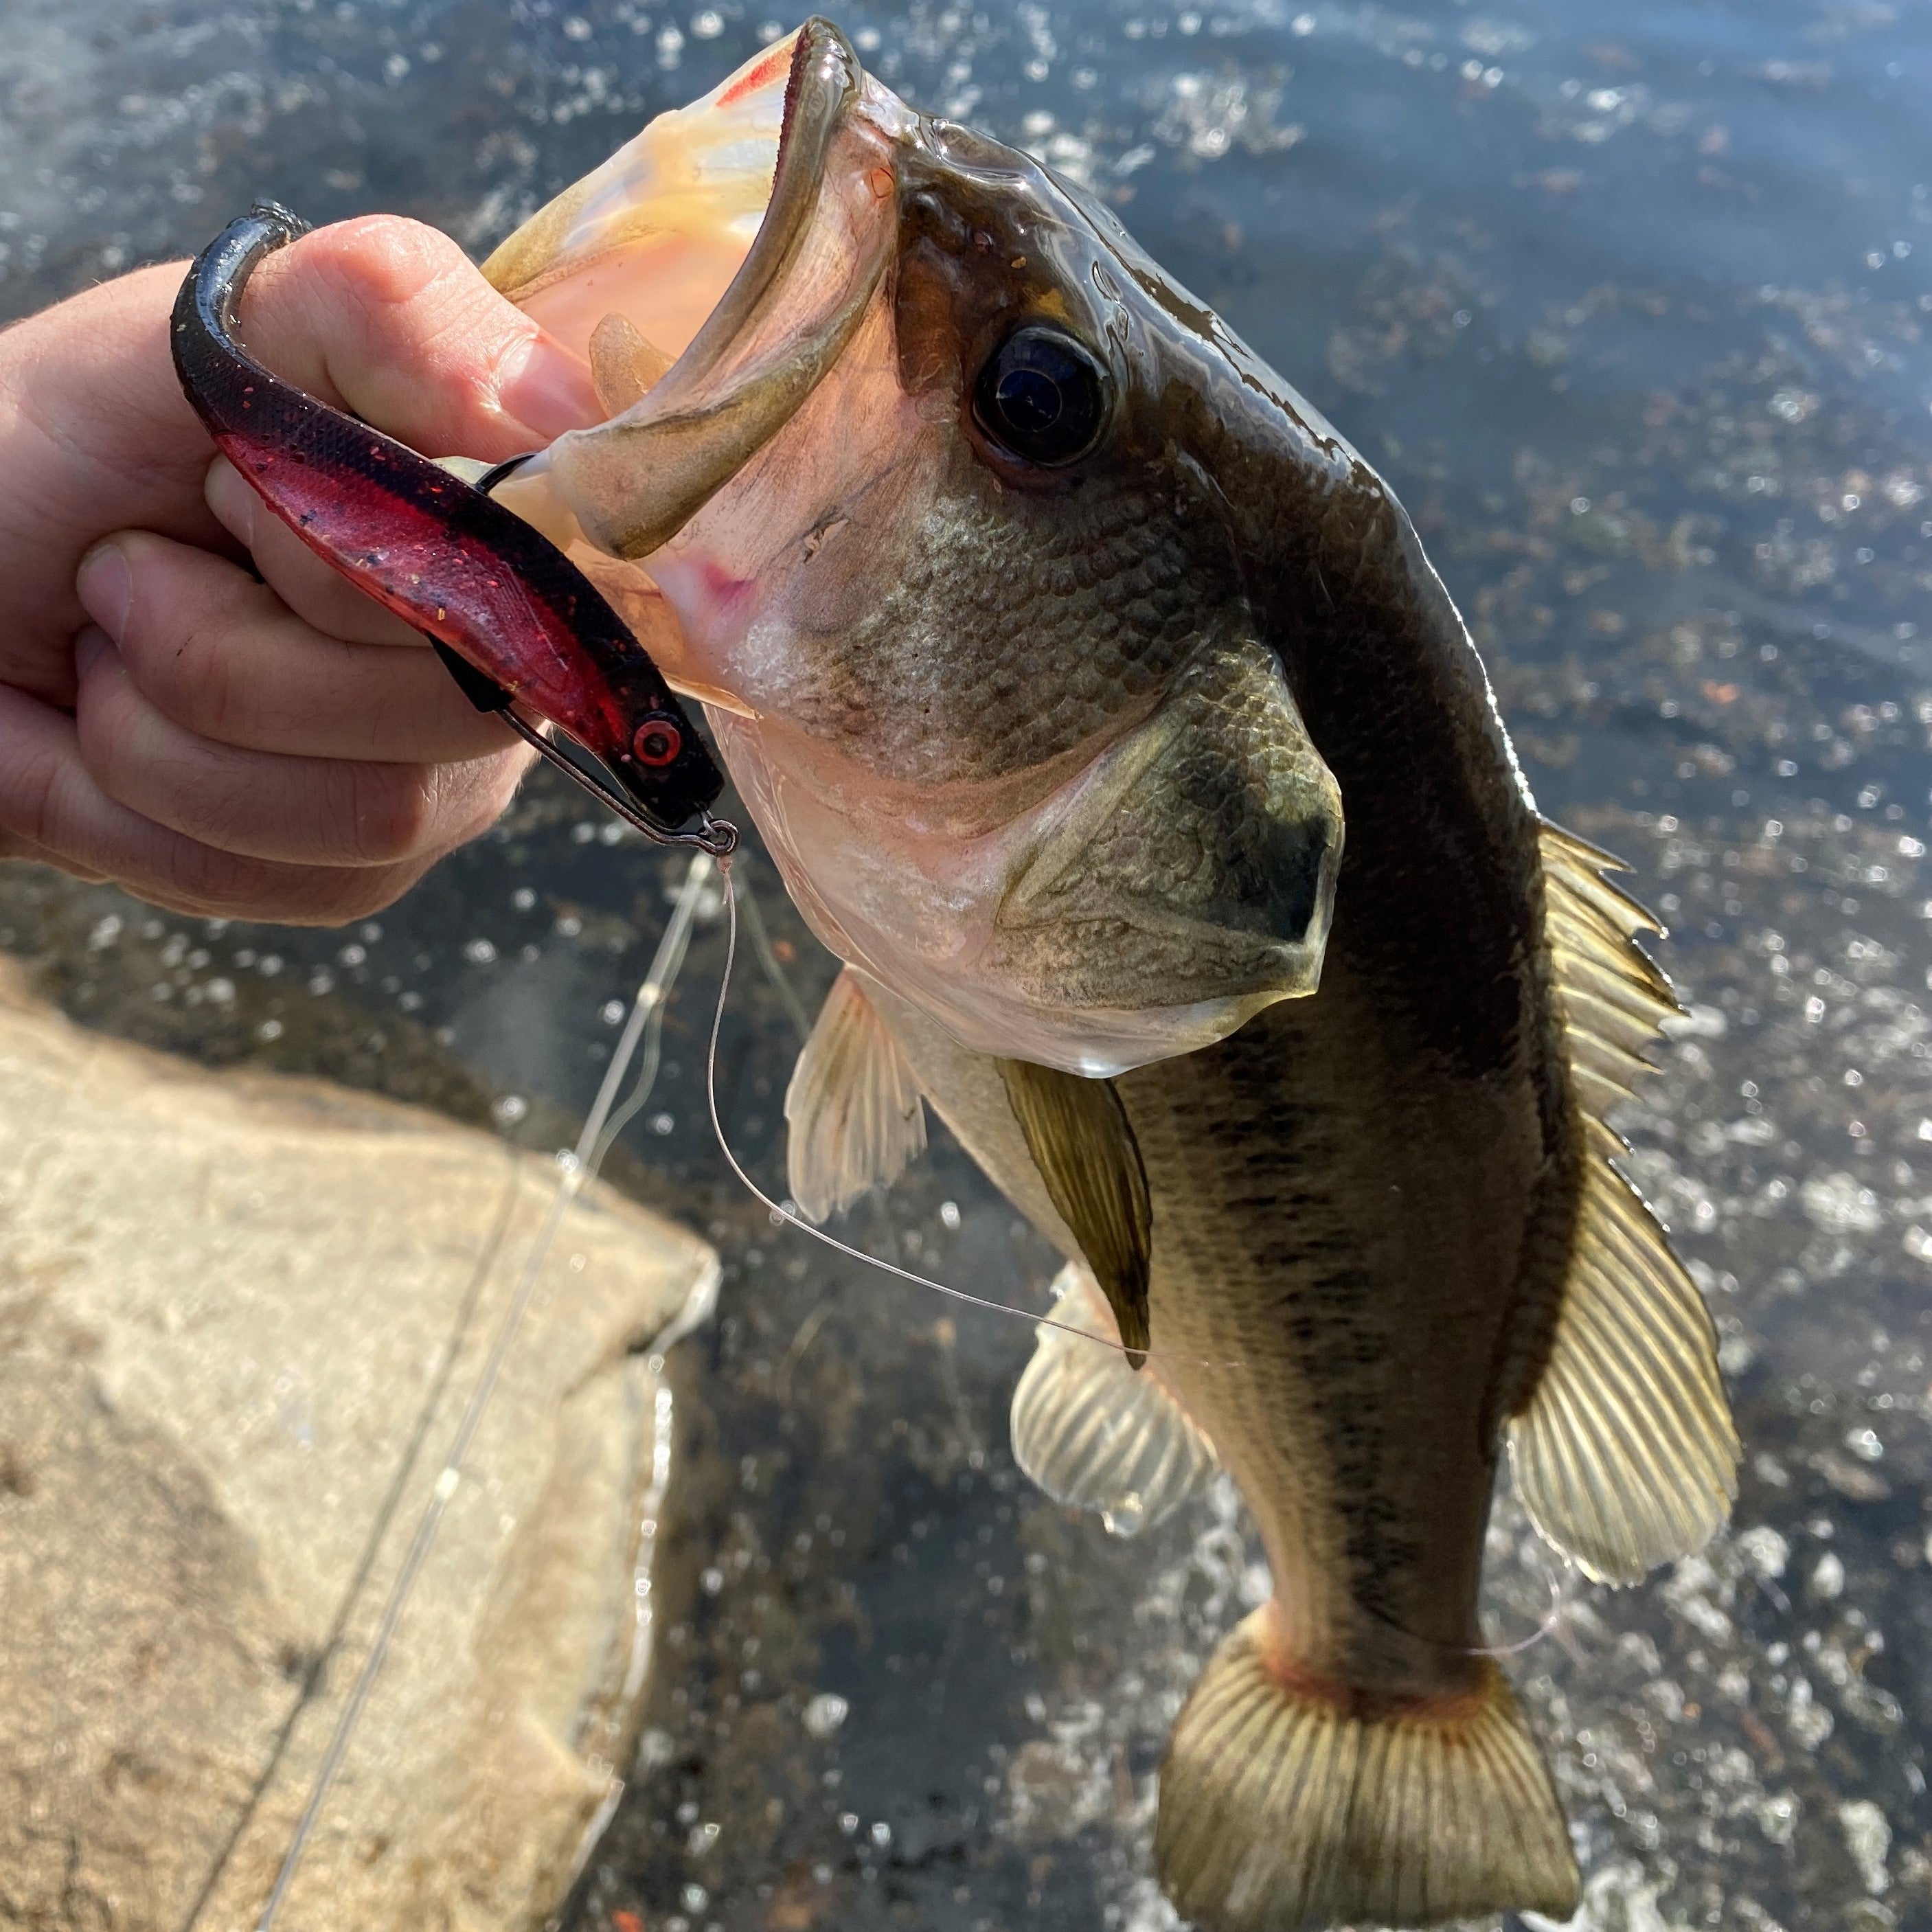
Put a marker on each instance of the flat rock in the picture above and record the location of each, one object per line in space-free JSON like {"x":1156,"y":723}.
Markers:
{"x":240,"y":1315}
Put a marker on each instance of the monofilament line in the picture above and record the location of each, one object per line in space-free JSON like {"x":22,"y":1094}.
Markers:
{"x":780,"y":1213}
{"x":579,"y":1167}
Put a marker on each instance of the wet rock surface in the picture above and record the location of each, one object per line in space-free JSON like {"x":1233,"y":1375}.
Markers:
{"x":239,"y":1315}
{"x":1632,"y":312}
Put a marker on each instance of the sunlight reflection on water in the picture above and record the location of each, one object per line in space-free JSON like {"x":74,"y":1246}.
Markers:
{"x":1632,"y":310}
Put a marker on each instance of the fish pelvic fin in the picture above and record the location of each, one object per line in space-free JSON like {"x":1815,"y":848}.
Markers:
{"x":1625,"y":1455}
{"x":1286,"y":1804}
{"x":853,"y":1106}
{"x":1092,"y":1432}
{"x":1083,"y":1144}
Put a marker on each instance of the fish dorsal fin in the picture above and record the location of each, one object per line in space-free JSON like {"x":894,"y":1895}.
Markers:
{"x":1092,"y":1432}
{"x":1077,"y":1131}
{"x":1624,"y":1456}
{"x":853,"y":1106}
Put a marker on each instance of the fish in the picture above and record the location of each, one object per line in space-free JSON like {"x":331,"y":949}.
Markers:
{"x":1103,"y":715}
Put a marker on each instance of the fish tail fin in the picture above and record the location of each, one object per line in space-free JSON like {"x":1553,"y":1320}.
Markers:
{"x":1287,"y":1804}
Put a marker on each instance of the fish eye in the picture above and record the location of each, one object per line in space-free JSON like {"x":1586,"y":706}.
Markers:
{"x":1041,"y":396}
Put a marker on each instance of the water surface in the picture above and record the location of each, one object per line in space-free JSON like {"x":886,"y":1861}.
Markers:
{"x":1630,"y":304}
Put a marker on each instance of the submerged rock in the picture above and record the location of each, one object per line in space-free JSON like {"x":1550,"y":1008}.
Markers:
{"x":239,"y":1317}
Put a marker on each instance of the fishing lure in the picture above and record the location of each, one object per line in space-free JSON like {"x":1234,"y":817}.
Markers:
{"x":515,"y":621}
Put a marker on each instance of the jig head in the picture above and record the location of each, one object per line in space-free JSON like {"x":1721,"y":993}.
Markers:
{"x":517,"y":622}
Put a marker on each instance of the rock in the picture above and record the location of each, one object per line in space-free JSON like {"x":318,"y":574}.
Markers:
{"x":229,"y":1305}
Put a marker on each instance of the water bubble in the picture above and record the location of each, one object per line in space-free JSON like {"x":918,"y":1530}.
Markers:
{"x":1764,"y":1551}
{"x":1868,"y":1838}
{"x":824,"y":1713}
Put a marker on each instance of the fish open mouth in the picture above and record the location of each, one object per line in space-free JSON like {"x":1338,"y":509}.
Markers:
{"x":710,"y":274}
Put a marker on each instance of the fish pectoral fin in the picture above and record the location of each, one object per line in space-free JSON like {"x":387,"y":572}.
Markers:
{"x":1286,"y":1802}
{"x":853,"y":1106}
{"x":1092,"y":1432}
{"x":1625,"y":1455}
{"x":1078,"y":1133}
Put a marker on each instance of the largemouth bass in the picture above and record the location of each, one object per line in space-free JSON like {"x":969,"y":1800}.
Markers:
{"x":1102,"y":713}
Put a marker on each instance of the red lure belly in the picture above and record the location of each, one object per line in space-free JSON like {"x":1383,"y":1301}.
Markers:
{"x":442,"y":556}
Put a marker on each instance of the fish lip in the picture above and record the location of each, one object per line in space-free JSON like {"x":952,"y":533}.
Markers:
{"x":630,"y":484}
{"x":824,"y":85}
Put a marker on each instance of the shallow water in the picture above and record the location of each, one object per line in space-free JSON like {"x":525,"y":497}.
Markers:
{"x":1630,"y":304}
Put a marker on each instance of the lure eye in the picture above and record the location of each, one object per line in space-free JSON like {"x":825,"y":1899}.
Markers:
{"x":657,"y":743}
{"x":1041,"y":396}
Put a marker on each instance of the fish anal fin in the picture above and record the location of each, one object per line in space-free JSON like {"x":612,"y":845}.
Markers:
{"x":1286,"y":1804}
{"x":1078,"y":1135}
{"x":853,"y":1107}
{"x":1091,"y":1432}
{"x":1624,"y":1454}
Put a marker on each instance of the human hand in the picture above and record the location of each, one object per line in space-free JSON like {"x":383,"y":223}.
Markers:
{"x":283,"y":749}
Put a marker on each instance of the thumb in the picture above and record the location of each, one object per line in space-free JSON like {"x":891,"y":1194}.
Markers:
{"x":390,"y":319}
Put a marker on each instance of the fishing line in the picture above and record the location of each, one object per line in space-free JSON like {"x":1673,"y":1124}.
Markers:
{"x":579,"y":1167}
{"x":1559,"y":1594}
{"x":665,"y":966}
{"x":779,"y":1212}
{"x":1558,"y":1581}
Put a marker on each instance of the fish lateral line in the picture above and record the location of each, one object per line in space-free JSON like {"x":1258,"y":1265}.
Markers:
{"x":481,"y":584}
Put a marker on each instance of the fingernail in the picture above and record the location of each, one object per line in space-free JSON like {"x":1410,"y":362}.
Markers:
{"x":89,"y":648}
{"x":230,"y":496}
{"x":546,"y":387}
{"x":106,"y":587}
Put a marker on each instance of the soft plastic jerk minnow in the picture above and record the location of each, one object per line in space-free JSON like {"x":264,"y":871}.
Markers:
{"x":516,"y":621}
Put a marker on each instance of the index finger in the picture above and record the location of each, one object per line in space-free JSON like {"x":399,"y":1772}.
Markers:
{"x":389,"y":319}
